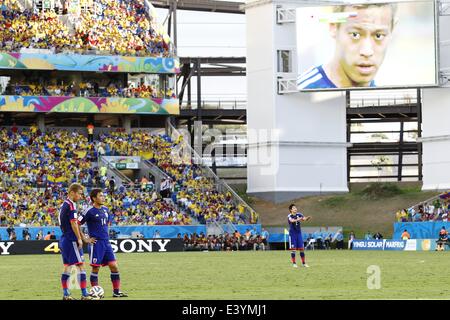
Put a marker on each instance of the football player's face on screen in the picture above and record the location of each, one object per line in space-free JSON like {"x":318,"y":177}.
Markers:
{"x":361,"y":42}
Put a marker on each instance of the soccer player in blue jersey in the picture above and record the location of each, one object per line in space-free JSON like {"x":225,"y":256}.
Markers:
{"x":295,"y":234}
{"x":361,"y":44}
{"x":71,"y":243}
{"x":101,"y":253}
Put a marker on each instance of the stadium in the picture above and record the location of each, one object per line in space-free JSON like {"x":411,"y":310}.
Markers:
{"x":298,"y":152}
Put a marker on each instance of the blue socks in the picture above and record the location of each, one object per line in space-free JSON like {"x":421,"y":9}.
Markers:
{"x":64,"y":279}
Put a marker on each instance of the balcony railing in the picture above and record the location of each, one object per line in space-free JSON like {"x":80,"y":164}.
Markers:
{"x":216,"y":105}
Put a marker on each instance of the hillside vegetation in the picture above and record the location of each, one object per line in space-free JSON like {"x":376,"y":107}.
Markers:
{"x":367,"y":207}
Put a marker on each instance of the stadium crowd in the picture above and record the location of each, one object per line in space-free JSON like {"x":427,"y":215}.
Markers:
{"x":34,"y":207}
{"x":235,"y":241}
{"x":28,"y":157}
{"x":86,"y":89}
{"x":118,"y":27}
{"x":36,"y":168}
{"x":134,"y":207}
{"x":26,"y":29}
{"x":434,"y":210}
{"x":323,"y":240}
{"x":195,"y":193}
{"x":252,"y":240}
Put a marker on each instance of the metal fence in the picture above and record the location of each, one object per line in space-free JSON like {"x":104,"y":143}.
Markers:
{"x":216,"y":105}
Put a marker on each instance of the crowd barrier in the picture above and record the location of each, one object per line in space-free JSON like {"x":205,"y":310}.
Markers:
{"x":419,"y":230}
{"x":165,"y":231}
{"x":82,"y":62}
{"x":119,"y":246}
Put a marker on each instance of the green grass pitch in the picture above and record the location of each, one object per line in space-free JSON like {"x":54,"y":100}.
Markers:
{"x":243,"y":275}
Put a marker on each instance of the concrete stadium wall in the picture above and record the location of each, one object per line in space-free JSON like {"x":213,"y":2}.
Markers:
{"x":444,"y":45}
{"x":436,"y":139}
{"x":435,"y":117}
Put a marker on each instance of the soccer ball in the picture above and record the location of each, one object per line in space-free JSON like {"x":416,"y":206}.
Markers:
{"x":97,"y":292}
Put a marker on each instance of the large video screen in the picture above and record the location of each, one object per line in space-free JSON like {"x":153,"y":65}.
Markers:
{"x":363,"y":46}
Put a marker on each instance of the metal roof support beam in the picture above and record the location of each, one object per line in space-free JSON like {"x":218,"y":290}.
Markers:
{"x":203,"y":5}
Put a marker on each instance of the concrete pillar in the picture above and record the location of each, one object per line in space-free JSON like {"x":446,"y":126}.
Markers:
{"x":126,"y":121}
{"x":435,"y":139}
{"x":435,"y":114}
{"x":198,"y":138}
{"x":41,"y":122}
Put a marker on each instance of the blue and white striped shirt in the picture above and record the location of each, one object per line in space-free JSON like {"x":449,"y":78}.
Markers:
{"x":316,"y":78}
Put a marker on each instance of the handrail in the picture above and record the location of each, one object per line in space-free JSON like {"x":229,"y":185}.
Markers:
{"x":150,"y":11}
{"x":216,"y":105}
{"x":216,"y":225}
{"x":231,"y":226}
{"x":157,"y":169}
{"x":362,"y":103}
{"x":163,"y":175}
{"x":80,"y":95}
{"x":425,"y":201}
{"x":422,"y":203}
{"x":114,"y":170}
{"x":219,"y":182}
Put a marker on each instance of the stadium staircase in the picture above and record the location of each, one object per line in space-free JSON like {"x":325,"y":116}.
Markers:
{"x":148,"y":167}
{"x":150,"y":11}
{"x":228,"y":227}
{"x":151,"y":15}
{"x":24,"y":4}
{"x":206,"y":171}
{"x":214,"y":228}
{"x":69,"y":21}
{"x":112,"y":171}
{"x":416,"y":206}
{"x":158,"y":173}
